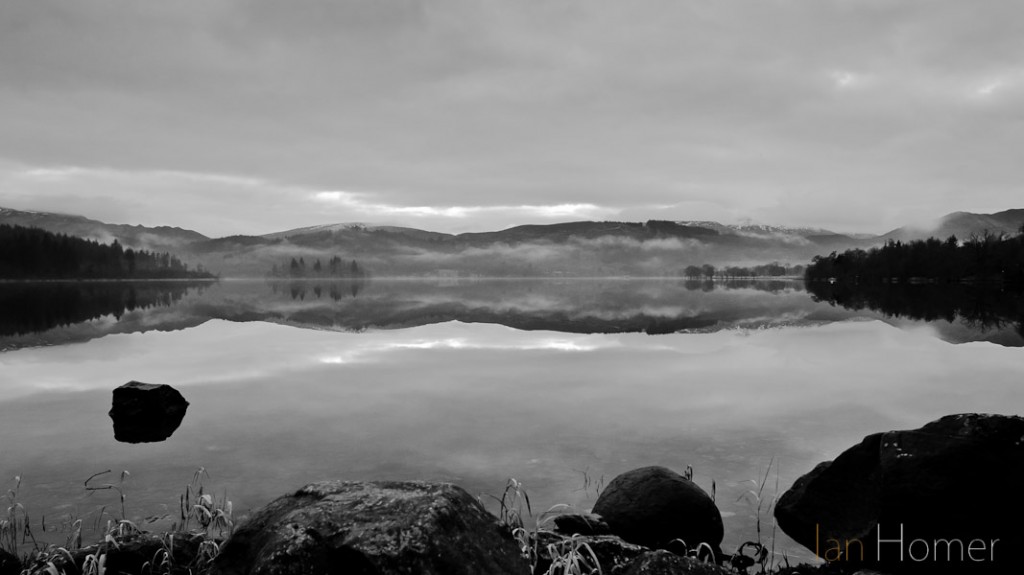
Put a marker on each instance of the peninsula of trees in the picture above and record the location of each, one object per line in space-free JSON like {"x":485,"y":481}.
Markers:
{"x":772,"y":270}
{"x":32,"y":253}
{"x":982,"y":258}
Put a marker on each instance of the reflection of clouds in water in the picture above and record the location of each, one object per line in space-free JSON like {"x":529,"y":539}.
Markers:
{"x":620,"y":301}
{"x":542,"y":344}
{"x":646,"y":311}
{"x":773,"y":321}
{"x":569,"y":306}
{"x":529,"y":343}
{"x":465,"y":401}
{"x":527,"y":303}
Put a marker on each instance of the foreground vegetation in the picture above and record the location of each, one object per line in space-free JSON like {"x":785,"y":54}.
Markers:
{"x":191,"y":544}
{"x":204,"y":522}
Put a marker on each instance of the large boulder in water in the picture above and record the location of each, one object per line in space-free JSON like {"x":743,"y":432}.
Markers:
{"x":146,"y":412}
{"x":652,"y":506}
{"x":380,"y":528}
{"x":938,"y":489}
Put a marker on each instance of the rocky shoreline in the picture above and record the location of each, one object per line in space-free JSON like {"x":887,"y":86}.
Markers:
{"x":939,"y":499}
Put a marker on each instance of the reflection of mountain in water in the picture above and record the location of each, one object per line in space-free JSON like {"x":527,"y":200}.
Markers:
{"x":960,"y":312}
{"x":577,"y":306}
{"x":574,"y":306}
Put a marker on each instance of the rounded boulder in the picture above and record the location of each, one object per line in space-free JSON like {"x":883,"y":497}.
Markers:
{"x":372,"y":528}
{"x":653,"y":506}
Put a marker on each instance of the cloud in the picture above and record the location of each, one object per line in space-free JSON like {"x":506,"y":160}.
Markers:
{"x":223,"y":204}
{"x":360,"y":204}
{"x":492,"y":113}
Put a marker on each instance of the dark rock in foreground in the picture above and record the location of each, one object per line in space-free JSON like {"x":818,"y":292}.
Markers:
{"x":380,"y":527}
{"x":9,"y":564}
{"x":581,"y":524}
{"x":652,"y":506}
{"x":146,"y":412}
{"x":918,"y":500}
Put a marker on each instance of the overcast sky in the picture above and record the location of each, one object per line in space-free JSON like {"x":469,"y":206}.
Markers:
{"x":235,"y":116}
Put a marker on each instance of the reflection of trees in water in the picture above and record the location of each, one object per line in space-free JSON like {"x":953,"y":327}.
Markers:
{"x":980,"y":307}
{"x":770,"y":286}
{"x":33,"y":307}
{"x":333,"y":289}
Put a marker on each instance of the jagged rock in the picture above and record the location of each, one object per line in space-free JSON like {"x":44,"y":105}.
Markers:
{"x":610,"y":550}
{"x":146,"y":412}
{"x":380,"y":528}
{"x":663,"y":562}
{"x":652,"y":506}
{"x":955,"y":479}
{"x":581,"y":524}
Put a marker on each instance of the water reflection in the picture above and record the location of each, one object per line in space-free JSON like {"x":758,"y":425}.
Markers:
{"x":990,"y":312}
{"x":770,"y":286}
{"x":333,"y":289}
{"x":40,"y":306}
{"x":274,"y":407}
{"x":48,"y":314}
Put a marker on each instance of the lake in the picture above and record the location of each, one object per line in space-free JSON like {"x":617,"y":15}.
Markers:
{"x":557,"y":383}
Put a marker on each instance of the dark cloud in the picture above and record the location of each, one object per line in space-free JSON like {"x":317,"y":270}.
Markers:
{"x":850,"y":114}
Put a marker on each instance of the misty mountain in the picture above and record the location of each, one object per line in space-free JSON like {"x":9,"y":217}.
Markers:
{"x":160,"y":238}
{"x":572,"y":249}
{"x":357,"y":228}
{"x":962,"y":225}
{"x":760,"y":229}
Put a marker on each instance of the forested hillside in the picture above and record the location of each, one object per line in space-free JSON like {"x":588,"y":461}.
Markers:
{"x":31,"y":253}
{"x":985,"y":257}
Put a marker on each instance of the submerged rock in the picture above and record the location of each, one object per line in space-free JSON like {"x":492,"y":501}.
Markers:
{"x":917,"y":500}
{"x":380,"y":527}
{"x":652,"y":506}
{"x":146,"y":412}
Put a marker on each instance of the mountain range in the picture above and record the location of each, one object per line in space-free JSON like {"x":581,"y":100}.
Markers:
{"x":652,"y":248}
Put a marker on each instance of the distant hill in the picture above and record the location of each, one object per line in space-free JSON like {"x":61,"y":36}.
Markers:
{"x":160,"y":238}
{"x":357,"y":228}
{"x":962,"y":225}
{"x":759,"y":229}
{"x":584,"y":248}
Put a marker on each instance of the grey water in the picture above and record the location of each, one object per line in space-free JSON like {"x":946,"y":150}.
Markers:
{"x":559,"y":384}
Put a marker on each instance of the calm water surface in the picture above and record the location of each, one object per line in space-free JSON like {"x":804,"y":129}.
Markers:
{"x":472,"y":383}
